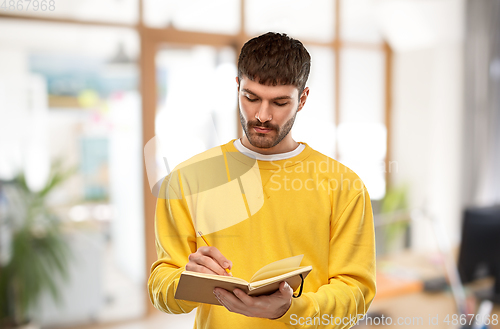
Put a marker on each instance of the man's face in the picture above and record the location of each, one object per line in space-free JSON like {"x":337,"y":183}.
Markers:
{"x":275,"y":106}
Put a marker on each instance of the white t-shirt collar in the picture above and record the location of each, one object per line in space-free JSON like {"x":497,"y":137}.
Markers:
{"x":267,"y":157}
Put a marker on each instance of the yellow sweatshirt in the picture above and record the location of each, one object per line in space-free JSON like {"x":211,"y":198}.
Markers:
{"x":256,"y":212}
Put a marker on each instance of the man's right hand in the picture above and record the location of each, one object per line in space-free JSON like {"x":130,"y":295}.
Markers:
{"x":208,"y":260}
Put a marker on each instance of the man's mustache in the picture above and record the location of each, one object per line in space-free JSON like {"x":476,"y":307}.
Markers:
{"x":260,"y":125}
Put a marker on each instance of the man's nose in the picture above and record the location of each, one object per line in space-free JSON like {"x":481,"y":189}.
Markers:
{"x":264,"y":113}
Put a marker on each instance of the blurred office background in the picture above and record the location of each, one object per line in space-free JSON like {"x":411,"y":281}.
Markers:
{"x":404,"y":92}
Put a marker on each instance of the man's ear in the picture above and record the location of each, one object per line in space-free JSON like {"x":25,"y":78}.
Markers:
{"x":303,"y":98}
{"x":238,"y":83}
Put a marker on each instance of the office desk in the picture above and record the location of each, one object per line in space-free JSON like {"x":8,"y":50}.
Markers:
{"x":418,"y":309}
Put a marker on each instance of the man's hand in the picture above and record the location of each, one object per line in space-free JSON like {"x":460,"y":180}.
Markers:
{"x":208,"y":260}
{"x":270,"y":307}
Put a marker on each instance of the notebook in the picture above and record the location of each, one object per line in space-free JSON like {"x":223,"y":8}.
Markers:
{"x":198,"y":287}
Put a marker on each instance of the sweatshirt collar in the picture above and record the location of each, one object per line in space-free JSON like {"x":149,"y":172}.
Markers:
{"x":232,"y":151}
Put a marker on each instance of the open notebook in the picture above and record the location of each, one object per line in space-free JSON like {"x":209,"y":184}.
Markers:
{"x":198,"y":287}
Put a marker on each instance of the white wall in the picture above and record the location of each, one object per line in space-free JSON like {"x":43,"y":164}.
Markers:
{"x":125,"y":161}
{"x":428,"y":112}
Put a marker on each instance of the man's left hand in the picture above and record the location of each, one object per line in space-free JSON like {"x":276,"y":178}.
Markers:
{"x":271,"y":307}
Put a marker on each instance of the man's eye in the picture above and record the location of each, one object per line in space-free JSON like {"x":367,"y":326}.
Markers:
{"x":251,"y":99}
{"x":281,"y":104}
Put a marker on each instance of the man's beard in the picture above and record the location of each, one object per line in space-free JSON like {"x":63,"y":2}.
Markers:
{"x":270,"y":139}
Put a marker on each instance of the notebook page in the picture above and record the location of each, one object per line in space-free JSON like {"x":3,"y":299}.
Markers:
{"x":287,"y":263}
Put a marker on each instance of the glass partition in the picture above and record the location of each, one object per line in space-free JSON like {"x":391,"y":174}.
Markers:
{"x":360,"y":21}
{"x":318,"y":114}
{"x":362,"y":135}
{"x":216,"y":16}
{"x":70,"y":93}
{"x":306,"y":20}
{"x":197,"y":101}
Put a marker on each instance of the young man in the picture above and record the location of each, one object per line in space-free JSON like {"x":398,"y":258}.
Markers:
{"x":263,"y":198}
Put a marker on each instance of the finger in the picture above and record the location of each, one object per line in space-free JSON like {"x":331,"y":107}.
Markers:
{"x":211,"y":264}
{"x":217,"y":256}
{"x":285,"y":289}
{"x":230,"y":301}
{"x":221,"y":302}
{"x":218,"y":294}
{"x":245,"y":299}
{"x":208,"y":262}
{"x":193,"y":267}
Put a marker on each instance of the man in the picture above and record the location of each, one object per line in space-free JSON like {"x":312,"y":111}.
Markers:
{"x":294,"y":200}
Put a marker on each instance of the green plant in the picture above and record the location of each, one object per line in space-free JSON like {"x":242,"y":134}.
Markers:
{"x":395,"y":201}
{"x":38,"y":252}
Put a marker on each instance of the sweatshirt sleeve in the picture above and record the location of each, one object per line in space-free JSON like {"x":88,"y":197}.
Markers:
{"x":175,"y":241}
{"x":351,"y":287}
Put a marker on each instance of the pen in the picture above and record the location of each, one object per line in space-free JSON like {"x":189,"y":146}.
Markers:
{"x":201,"y":235}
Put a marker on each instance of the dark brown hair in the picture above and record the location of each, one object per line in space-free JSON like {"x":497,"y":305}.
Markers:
{"x":275,"y":58}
